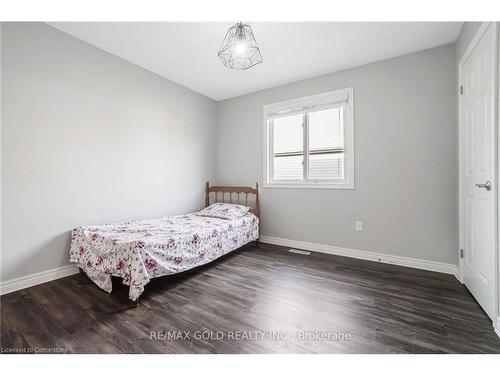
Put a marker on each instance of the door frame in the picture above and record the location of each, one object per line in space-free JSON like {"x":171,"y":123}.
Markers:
{"x":482,"y":29}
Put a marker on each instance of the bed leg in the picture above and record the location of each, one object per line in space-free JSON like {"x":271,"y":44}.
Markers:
{"x":80,"y":272}
{"x":135,"y":303}
{"x":257,"y":243}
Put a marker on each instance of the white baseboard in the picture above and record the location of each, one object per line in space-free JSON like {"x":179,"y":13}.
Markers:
{"x":497,"y":326}
{"x":428,"y":265}
{"x":37,"y":278}
{"x":57,"y":273}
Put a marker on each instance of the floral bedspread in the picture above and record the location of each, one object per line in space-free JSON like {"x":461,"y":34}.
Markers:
{"x":138,"y":251}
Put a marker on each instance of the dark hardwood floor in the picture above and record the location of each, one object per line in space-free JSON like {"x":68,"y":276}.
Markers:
{"x":256,"y":300}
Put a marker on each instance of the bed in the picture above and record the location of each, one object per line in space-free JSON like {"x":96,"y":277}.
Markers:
{"x":138,"y":251}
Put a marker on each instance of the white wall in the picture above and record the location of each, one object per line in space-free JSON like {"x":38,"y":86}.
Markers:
{"x":405,"y":162}
{"x":89,"y":138}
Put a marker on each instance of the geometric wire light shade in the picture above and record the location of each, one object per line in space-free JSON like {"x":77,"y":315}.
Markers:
{"x":239,"y":48}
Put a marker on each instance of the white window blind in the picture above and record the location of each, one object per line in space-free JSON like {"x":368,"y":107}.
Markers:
{"x":288,"y":143}
{"x":326,"y":144}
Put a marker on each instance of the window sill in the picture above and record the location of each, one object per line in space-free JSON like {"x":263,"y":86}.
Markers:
{"x":319,"y":186}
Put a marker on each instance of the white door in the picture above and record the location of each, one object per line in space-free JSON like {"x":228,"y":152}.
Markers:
{"x":478,"y":171}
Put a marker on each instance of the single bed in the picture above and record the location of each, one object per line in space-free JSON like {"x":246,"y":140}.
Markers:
{"x":138,"y":251}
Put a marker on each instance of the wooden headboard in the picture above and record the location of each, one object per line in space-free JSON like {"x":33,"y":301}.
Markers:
{"x":234,"y":194}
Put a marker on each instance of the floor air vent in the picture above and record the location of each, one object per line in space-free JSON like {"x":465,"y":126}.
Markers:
{"x":302,"y":252}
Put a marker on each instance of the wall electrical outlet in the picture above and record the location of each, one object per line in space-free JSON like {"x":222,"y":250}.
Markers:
{"x":359,"y":226}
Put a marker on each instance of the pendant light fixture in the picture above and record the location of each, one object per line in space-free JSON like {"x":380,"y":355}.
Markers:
{"x":239,"y":49}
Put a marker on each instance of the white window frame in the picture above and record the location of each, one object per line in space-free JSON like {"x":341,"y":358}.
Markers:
{"x":324,"y":100}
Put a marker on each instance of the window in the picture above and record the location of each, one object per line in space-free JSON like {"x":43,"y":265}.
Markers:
{"x":309,"y":142}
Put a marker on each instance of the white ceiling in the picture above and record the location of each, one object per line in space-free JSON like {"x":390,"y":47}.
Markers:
{"x":186,"y":53}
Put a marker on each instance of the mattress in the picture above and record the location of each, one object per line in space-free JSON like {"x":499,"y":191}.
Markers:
{"x":138,"y":251}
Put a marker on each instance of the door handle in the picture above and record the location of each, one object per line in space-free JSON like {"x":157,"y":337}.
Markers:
{"x":486,"y":185}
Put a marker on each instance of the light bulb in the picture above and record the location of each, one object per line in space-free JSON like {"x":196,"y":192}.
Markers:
{"x":240,"y":47}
